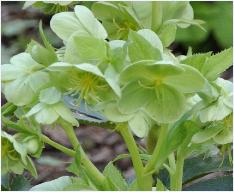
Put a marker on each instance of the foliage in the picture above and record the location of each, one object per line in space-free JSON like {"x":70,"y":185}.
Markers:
{"x":129,"y":78}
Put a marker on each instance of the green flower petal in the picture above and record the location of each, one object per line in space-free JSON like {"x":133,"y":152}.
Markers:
{"x":90,"y":68}
{"x":139,"y":124}
{"x":46,"y":116}
{"x":85,"y":49}
{"x":189,"y":81}
{"x":134,"y":97}
{"x":167,"y":104}
{"x":152,"y":38}
{"x":65,"y":113}
{"x":113,"y":114}
{"x":150,"y":71}
{"x":35,"y":109}
{"x":91,"y":24}
{"x":81,"y":22}
{"x":50,"y":95}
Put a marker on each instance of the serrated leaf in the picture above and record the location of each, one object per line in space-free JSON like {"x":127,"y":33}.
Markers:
{"x":218,"y":63}
{"x":114,"y":177}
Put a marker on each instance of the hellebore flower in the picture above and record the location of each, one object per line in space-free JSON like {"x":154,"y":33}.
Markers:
{"x":51,"y":107}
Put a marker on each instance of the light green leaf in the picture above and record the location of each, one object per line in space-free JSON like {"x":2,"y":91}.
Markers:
{"x":65,"y":113}
{"x":129,"y":104}
{"x":207,"y":133}
{"x":189,"y":81}
{"x":139,"y":124}
{"x":167,"y":105}
{"x":197,"y":60}
{"x":114,"y":177}
{"x":50,"y":95}
{"x":31,"y":167}
{"x":141,"y":49}
{"x":47,"y":115}
{"x":41,"y":54}
{"x":160,"y":186}
{"x":54,"y":185}
{"x":80,"y":49}
{"x":152,"y":38}
{"x":217,"y":64}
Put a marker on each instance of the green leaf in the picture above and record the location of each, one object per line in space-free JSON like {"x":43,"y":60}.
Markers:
{"x":139,"y":124}
{"x":81,"y":49}
{"x":207,"y":133}
{"x":31,"y":167}
{"x":115,"y":178}
{"x":128,"y":104}
{"x":197,"y":60}
{"x":141,"y":49}
{"x":167,"y":34}
{"x":217,"y":64}
{"x":41,"y":54}
{"x":54,"y":185}
{"x":81,"y":22}
{"x":50,"y":96}
{"x":188,"y":82}
{"x":167,"y":105}
{"x":160,"y":186}
{"x":219,"y":183}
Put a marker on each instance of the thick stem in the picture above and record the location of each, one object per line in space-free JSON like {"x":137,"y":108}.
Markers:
{"x":143,"y":183}
{"x":94,"y":174}
{"x":154,"y":163}
{"x":177,"y":177}
{"x":58,"y":146}
{"x":156,"y":15}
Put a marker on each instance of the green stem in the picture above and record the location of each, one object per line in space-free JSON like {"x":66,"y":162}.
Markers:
{"x":143,"y":183}
{"x":93,"y":173}
{"x":157,"y":13}
{"x":58,"y":146}
{"x":154,"y":163}
{"x":177,"y":178}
